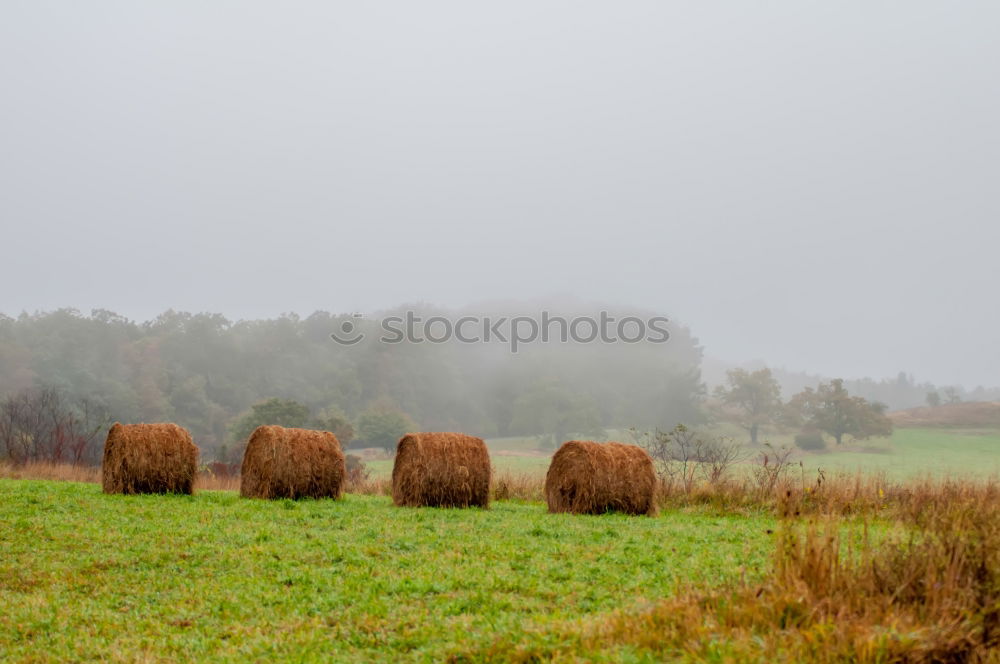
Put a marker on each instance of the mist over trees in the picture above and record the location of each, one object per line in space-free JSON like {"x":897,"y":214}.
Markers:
{"x":831,"y":409}
{"x":65,"y":376}
{"x":899,"y":393}
{"x":752,"y":400}
{"x":755,"y":396}
{"x":208,"y":373}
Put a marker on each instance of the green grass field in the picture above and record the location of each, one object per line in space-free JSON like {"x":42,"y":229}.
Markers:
{"x":908,"y":453}
{"x":915,"y":452}
{"x":84,"y":576}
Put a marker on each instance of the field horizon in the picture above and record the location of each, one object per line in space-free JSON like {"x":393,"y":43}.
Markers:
{"x":908,"y":453}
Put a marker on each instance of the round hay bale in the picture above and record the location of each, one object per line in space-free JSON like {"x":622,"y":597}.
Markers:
{"x":441,"y":470}
{"x":593,"y":478}
{"x":148,"y":458}
{"x":292,"y":463}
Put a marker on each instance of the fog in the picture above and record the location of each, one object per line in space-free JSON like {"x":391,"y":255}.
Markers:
{"x":813,"y":185}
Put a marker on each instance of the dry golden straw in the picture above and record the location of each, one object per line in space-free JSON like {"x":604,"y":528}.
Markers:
{"x":292,"y":463}
{"x":148,"y":458}
{"x":593,"y":478}
{"x":441,"y":470}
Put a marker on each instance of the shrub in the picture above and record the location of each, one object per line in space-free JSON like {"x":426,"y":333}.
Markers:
{"x":383,"y":428}
{"x":681,"y":454}
{"x":356,"y":470}
{"x":810,"y":440}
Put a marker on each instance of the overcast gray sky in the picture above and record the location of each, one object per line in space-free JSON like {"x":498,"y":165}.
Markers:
{"x":816,"y":185}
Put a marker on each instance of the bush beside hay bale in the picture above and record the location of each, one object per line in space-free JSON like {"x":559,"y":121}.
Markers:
{"x":593,"y":478}
{"x":441,"y":470}
{"x":148,"y":458}
{"x":357,"y":471}
{"x":292,"y":463}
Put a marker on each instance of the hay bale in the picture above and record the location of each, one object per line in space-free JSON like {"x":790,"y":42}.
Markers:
{"x":441,"y":470}
{"x":593,"y":478}
{"x":148,"y":458}
{"x":292,"y":463}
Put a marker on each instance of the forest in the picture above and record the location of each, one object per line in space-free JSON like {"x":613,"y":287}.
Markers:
{"x":205,"y":371}
{"x":65,"y":375}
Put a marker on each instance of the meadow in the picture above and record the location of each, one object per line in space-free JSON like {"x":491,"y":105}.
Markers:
{"x":908,"y":453}
{"x":914,"y":452}
{"x":902,"y":564}
{"x":87,"y":576}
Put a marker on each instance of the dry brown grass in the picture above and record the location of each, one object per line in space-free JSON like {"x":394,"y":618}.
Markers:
{"x":43,"y":470}
{"x":206,"y":481}
{"x":843,"y":494}
{"x":441,"y":470}
{"x":149,"y":458}
{"x":593,"y":478}
{"x":518,"y":486}
{"x":378,"y":486}
{"x":292,"y":463}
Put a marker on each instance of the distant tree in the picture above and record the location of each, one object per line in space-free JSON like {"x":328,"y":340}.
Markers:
{"x":383,"y":428}
{"x":757,"y":396}
{"x":933,"y":399}
{"x":204,"y":372}
{"x":335,"y":421}
{"x":553,"y":412}
{"x":952,"y":395}
{"x":829,"y":408}
{"x":282,"y":412}
{"x":873,"y":420}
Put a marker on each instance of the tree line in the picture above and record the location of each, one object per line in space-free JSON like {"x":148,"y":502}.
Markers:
{"x":65,"y":376}
{"x":215,"y":376}
{"x":753,"y":400}
{"x":898,"y":393}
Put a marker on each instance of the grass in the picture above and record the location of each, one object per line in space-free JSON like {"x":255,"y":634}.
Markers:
{"x":85,"y":576}
{"x":850,"y":569}
{"x":911,"y":452}
{"x":926,"y":592}
{"x":907,"y":454}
